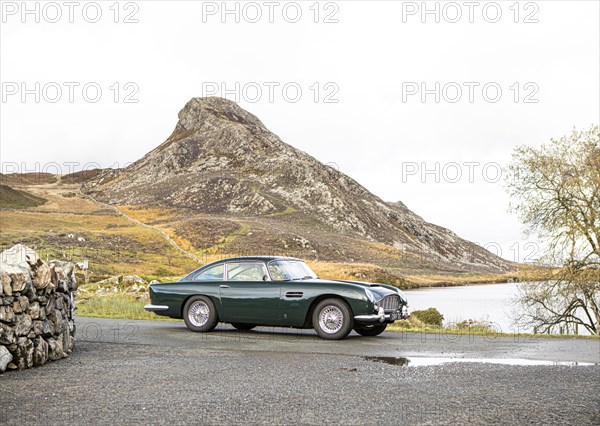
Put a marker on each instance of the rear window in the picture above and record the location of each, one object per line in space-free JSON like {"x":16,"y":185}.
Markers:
{"x":214,"y":273}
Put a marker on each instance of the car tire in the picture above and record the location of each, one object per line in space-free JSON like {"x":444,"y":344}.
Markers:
{"x":370,"y":330}
{"x":244,"y":327}
{"x":200,"y":314}
{"x":332,"y":319}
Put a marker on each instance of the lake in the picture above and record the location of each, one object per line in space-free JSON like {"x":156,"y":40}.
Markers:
{"x":489,"y":302}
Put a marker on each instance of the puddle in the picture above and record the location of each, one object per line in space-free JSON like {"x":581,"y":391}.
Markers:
{"x":428,"y":361}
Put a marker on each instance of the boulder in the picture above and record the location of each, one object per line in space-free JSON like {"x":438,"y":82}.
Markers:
{"x":19,"y":254}
{"x":42,"y":276}
{"x":38,"y":327}
{"x":6,"y":314}
{"x":112,"y":281}
{"x":21,"y":304}
{"x":19,"y":278}
{"x":136,"y":288}
{"x":129,"y":280}
{"x":55,"y":349}
{"x":34,"y":310}
{"x":40,"y":354}
{"x":63,"y":275}
{"x":23,"y":324}
{"x":47,"y":328}
{"x":5,"y":358}
{"x":7,"y":335}
{"x":24,"y":353}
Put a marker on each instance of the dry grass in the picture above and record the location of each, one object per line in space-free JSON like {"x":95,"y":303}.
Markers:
{"x":150,"y":255}
{"x":116,"y":305}
{"x":60,"y":203}
{"x":150,"y":215}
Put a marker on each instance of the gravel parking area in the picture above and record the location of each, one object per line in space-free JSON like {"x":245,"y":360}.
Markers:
{"x":157,"y":372}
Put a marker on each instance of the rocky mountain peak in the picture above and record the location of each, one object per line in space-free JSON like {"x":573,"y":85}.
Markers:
{"x":222,"y":161}
{"x":199,"y":111}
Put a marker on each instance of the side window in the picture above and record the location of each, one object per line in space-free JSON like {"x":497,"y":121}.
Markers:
{"x":246,"y":271}
{"x":211,"y":274}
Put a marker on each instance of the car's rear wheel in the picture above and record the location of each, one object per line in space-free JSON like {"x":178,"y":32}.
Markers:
{"x":370,"y":330}
{"x":241,"y":326}
{"x":200,"y":314}
{"x":332,"y":319}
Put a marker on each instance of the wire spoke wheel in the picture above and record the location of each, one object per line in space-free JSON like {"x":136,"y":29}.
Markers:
{"x":198,"y":313}
{"x":331,"y":319}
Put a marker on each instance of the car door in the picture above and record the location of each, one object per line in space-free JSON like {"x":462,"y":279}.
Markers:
{"x":248,"y":295}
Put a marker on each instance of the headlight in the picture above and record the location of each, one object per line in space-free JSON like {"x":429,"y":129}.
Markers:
{"x":370,"y":295}
{"x":401,"y":294}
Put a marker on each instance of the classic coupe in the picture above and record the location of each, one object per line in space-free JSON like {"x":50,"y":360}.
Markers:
{"x":277,"y":291}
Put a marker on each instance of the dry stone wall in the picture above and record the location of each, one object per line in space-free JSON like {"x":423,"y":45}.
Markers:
{"x":36,"y":309}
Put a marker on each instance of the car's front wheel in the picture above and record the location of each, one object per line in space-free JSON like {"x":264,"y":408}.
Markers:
{"x":241,"y":326}
{"x":370,"y":330}
{"x":332,"y":319}
{"x":200,"y":314}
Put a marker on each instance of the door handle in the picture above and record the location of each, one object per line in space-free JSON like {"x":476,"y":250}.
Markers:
{"x":224,"y":286}
{"x":294,"y":294}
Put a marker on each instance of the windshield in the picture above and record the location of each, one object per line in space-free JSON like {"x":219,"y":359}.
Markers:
{"x":290,"y":270}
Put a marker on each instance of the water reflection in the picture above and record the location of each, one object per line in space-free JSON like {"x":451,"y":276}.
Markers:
{"x":394,"y":360}
{"x":494,"y":303}
{"x":429,"y":361}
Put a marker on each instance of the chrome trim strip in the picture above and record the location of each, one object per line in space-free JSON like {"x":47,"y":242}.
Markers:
{"x":150,"y":307}
{"x":381,"y":316}
{"x":367,"y":318}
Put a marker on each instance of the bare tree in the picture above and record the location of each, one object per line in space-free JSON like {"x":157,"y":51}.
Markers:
{"x":556,"y":189}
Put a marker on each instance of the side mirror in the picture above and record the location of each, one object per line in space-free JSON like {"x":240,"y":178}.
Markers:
{"x":265,"y":277}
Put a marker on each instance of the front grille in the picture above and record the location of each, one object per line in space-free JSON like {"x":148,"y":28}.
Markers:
{"x":390,"y":303}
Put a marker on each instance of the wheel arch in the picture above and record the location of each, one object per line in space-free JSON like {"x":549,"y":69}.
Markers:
{"x":212,"y":299}
{"x":317,"y":300}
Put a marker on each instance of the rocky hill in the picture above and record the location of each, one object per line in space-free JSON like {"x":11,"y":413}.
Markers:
{"x":11,"y":198}
{"x":232,"y":174}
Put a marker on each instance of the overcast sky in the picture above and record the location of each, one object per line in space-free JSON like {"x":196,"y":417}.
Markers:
{"x":418,"y":107}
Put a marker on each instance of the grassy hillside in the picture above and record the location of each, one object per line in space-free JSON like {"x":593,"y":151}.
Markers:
{"x":16,"y":199}
{"x":68,"y":226}
{"x":34,"y":178}
{"x":73,"y":228}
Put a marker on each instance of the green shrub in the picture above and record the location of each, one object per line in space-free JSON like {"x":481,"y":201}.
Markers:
{"x":429,"y":316}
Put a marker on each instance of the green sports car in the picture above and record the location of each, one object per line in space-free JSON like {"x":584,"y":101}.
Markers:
{"x":277,"y":291}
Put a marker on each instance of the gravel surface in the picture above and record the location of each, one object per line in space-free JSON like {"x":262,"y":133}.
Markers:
{"x":157,"y":372}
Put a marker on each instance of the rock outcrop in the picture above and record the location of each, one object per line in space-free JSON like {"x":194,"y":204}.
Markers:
{"x":133,"y":285}
{"x":222,"y":160}
{"x":36,"y":309}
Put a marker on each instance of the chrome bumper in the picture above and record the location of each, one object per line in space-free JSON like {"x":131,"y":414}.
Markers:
{"x":153,"y":308}
{"x":381,"y":316}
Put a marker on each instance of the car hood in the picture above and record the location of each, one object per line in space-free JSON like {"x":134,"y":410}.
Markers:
{"x":379,"y":290}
